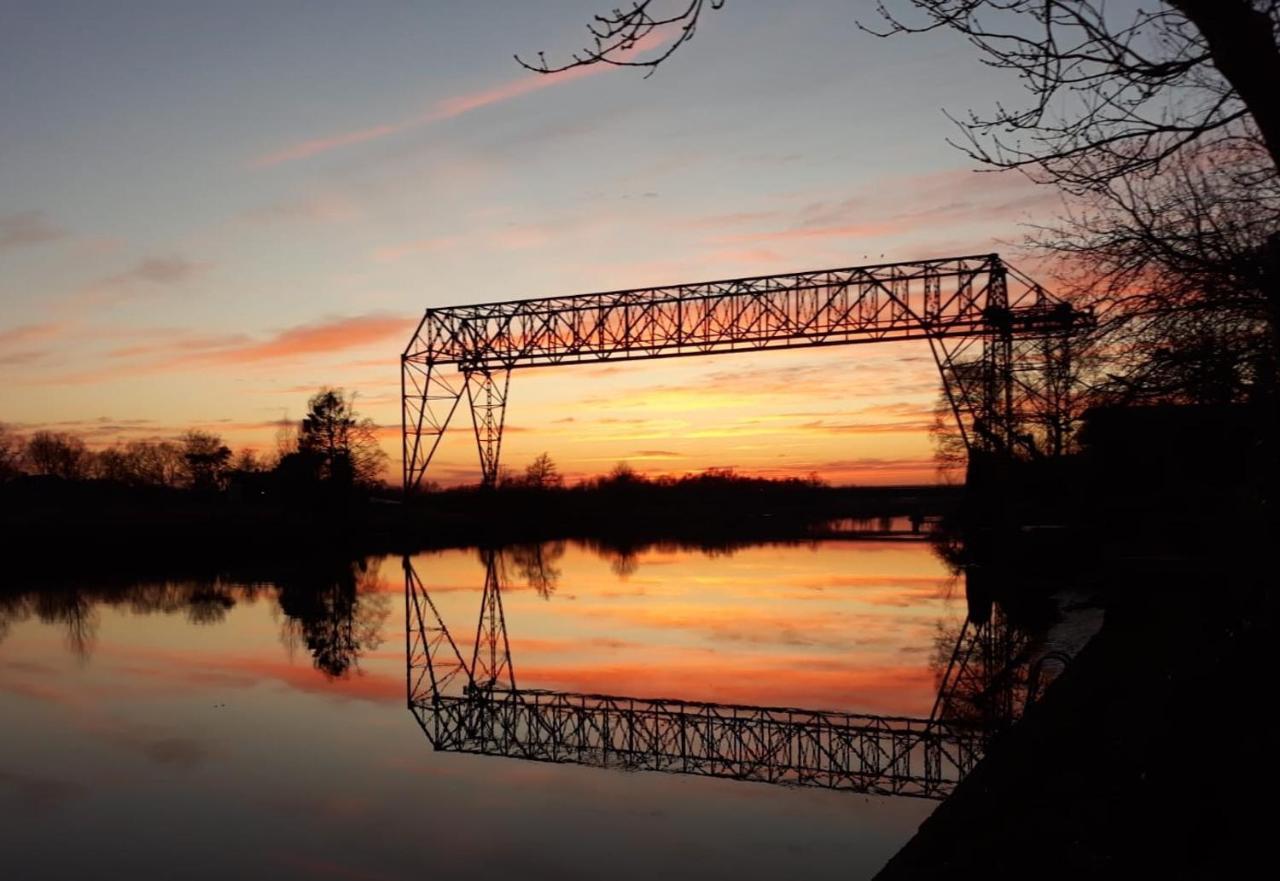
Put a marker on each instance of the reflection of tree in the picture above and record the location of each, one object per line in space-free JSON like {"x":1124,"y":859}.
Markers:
{"x":75,"y":607}
{"x":534,"y":564}
{"x":331,"y":607}
{"x":209,"y":603}
{"x":980,"y":665}
{"x":624,"y":563}
{"x":76,"y":612}
{"x":336,"y":611}
{"x":13,"y":610}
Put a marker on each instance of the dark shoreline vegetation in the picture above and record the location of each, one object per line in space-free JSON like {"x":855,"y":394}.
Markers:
{"x":719,"y":510}
{"x":1161,"y":479}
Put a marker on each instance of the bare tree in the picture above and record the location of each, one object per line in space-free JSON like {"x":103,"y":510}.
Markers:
{"x":542,"y":473}
{"x":1183,"y":269}
{"x":143,"y":463}
{"x":1114,"y":95}
{"x":11,"y":453}
{"x":247,"y":461}
{"x":57,"y":454}
{"x":1110,"y":95}
{"x":207,"y":459}
{"x":286,"y":438}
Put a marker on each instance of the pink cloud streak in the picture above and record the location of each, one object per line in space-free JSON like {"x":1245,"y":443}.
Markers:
{"x":446,"y":108}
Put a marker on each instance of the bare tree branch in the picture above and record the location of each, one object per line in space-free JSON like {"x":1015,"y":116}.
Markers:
{"x":621,"y":31}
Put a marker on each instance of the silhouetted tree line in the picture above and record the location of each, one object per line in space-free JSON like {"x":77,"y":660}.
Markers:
{"x":543,"y":474}
{"x":625,"y":507}
{"x":332,"y":452}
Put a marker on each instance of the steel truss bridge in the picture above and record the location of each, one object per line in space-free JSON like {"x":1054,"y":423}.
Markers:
{"x":1001,"y":343}
{"x":476,"y":707}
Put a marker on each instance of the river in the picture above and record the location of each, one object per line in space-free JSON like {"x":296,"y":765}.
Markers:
{"x":253,"y":723}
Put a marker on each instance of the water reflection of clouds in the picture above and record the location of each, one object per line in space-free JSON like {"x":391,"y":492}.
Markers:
{"x":822,"y":625}
{"x":701,"y":674}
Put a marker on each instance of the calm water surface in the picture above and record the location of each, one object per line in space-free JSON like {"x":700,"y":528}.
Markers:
{"x":255,"y":725}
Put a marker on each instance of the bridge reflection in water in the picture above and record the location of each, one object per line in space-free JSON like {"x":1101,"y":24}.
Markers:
{"x":476,"y":707}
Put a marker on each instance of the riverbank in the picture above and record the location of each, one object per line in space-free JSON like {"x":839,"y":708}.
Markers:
{"x":1148,"y":757}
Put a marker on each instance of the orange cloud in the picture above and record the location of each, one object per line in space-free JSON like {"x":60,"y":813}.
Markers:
{"x":27,"y":333}
{"x":318,"y":338}
{"x":324,"y":336}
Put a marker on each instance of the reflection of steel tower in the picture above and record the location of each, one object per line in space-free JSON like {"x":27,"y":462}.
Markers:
{"x":984,"y":684}
{"x":998,"y":339}
{"x":477,"y":708}
{"x":491,"y":657}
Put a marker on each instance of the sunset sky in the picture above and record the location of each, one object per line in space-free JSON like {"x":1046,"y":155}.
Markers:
{"x":209,"y":210}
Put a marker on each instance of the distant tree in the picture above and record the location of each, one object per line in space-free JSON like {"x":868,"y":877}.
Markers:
{"x":949,"y":450}
{"x":623,"y":474}
{"x":344,"y":445}
{"x":507,"y":478}
{"x":57,"y":454}
{"x":111,"y":463}
{"x":286,"y":438}
{"x":11,"y":453}
{"x":156,"y":463}
{"x":542,"y":473}
{"x":248,"y":462}
{"x":143,"y":463}
{"x":207,"y":460}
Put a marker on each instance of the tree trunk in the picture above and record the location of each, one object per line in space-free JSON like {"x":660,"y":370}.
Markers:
{"x":1242,"y":43}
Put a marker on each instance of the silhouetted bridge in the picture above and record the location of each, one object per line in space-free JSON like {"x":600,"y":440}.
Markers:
{"x":886,"y":755}
{"x":1001,"y":343}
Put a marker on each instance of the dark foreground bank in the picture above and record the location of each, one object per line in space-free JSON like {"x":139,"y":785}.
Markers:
{"x":1150,"y":757}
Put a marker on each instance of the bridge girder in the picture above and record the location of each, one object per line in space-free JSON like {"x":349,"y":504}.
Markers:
{"x":977,"y":314}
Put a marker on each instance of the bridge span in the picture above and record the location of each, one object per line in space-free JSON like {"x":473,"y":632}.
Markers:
{"x":1000,"y":342}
